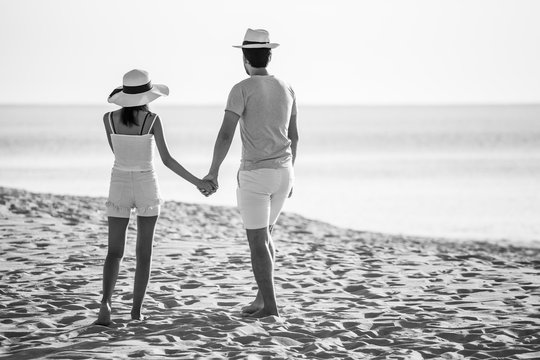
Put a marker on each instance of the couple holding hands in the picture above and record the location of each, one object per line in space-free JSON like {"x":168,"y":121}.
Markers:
{"x":265,"y":106}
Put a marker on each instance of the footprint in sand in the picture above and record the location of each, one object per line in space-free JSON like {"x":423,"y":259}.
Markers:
{"x":72,"y":319}
{"x":191,"y":284}
{"x":170,"y":303}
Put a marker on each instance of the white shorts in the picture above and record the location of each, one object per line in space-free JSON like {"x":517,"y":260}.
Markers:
{"x":133,"y":189}
{"x":261,"y":194}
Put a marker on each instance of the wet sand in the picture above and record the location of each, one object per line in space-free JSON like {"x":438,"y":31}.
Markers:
{"x":342,"y":293}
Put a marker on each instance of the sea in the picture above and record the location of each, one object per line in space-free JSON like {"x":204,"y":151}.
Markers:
{"x":456,"y":172}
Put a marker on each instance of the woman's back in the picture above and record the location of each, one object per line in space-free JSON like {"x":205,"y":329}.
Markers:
{"x":134,"y":145}
{"x":142,"y":122}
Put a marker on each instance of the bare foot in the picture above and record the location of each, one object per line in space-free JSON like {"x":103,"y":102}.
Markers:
{"x":255,"y":306}
{"x":263,"y":313}
{"x":104,"y":317}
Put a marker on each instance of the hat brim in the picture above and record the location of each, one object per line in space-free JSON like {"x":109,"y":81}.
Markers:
{"x":257,"y":46}
{"x":130,"y":100}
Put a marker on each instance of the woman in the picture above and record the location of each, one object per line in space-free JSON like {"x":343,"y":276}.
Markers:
{"x":132,"y":132}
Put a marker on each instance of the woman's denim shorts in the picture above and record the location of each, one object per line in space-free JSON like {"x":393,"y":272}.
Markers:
{"x":133,"y":189}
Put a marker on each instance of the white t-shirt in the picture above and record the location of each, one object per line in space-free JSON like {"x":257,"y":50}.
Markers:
{"x":265,"y":105}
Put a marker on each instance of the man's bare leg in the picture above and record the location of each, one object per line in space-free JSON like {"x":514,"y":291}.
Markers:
{"x":258,"y":303}
{"x":263,"y":269}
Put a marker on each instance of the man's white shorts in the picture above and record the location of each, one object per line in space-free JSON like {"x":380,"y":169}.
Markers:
{"x":261,"y":194}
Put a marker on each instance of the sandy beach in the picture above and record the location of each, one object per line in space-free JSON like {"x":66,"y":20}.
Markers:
{"x":342,"y":293}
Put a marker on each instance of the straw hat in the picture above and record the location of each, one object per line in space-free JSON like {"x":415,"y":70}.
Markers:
{"x":137,"y":90}
{"x":257,"y":38}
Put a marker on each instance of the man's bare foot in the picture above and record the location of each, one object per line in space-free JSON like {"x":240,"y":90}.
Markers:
{"x":104,"y":317}
{"x":136,"y":315}
{"x":263,"y":313}
{"x":255,"y":306}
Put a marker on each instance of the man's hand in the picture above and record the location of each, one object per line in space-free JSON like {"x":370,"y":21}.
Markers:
{"x":213,"y":179}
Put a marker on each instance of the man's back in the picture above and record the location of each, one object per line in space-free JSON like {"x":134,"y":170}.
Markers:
{"x":265,"y":105}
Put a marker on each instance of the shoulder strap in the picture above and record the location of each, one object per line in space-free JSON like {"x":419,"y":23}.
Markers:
{"x":152,"y":124}
{"x":144,"y":122}
{"x":111,"y":124}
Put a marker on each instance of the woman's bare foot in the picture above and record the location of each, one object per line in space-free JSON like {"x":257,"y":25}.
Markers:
{"x":104,"y":317}
{"x":264,"y":313}
{"x":255,"y":306}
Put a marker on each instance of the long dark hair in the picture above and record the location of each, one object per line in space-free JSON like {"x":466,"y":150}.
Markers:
{"x":128,"y":114}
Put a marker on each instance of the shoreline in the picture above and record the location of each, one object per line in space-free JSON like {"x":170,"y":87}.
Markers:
{"x":501,"y":241}
{"x":342,"y":293}
{"x":473,"y":184}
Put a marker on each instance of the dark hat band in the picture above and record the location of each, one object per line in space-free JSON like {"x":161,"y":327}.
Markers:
{"x":133,"y":89}
{"x":254,"y":42}
{"x":137,"y":89}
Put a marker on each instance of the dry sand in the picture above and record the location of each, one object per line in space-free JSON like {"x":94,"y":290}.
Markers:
{"x":342,"y":293}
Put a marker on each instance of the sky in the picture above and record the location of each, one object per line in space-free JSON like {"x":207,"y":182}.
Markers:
{"x":334,"y":52}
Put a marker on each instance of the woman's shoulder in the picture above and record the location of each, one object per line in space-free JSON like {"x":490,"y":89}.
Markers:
{"x":106,"y":115}
{"x":153,"y":116}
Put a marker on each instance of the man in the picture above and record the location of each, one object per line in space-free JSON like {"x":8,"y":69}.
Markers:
{"x":266,"y":109}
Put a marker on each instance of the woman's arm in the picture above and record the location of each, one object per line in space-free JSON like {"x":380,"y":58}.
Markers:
{"x":223,"y":144}
{"x":107,"y":129}
{"x":171,"y":162}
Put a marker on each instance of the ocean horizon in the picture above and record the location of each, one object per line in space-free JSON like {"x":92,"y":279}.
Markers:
{"x":459,"y":172}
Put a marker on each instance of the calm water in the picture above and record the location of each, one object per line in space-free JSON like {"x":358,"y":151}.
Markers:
{"x":458,"y":172}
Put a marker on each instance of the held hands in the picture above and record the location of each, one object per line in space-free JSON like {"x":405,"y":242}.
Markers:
{"x":208,"y":185}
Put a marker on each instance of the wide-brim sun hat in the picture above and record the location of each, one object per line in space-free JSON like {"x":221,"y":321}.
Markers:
{"x":256,"y":39}
{"x":137,"y":90}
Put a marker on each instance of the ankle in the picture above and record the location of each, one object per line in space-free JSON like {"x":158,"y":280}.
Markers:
{"x":271,"y":309}
{"x":136,"y":311}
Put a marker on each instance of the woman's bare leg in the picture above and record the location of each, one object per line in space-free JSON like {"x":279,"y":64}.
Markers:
{"x":145,"y":236}
{"x":115,"y":252}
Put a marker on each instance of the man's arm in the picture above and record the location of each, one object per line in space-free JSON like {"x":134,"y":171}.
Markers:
{"x":223,"y":144}
{"x":293,"y":136}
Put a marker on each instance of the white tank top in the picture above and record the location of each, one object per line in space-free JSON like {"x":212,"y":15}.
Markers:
{"x":133,"y":152}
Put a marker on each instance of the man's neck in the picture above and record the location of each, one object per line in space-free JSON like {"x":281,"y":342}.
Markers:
{"x":258,"y":71}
